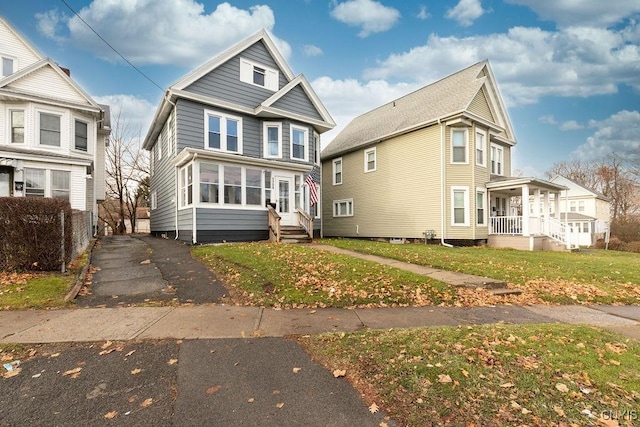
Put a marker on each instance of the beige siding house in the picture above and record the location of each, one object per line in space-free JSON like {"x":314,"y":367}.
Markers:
{"x":436,"y":164}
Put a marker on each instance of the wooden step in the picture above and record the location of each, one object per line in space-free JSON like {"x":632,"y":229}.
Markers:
{"x":505,"y":291}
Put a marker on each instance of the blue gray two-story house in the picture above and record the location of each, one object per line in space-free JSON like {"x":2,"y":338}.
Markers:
{"x":230,"y":138}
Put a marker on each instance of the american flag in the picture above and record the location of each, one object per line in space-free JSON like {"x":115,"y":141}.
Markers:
{"x":311,"y":181}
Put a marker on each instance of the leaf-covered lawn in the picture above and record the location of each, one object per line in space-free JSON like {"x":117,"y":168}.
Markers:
{"x":587,"y":277}
{"x":34,"y":290}
{"x":545,"y":375}
{"x":283,"y":275}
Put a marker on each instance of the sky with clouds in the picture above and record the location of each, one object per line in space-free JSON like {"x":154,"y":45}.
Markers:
{"x":568,"y":70}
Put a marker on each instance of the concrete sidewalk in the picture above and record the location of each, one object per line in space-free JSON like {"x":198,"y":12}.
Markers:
{"x":221,"y":321}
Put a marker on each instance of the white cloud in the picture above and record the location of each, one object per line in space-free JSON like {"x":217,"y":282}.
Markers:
{"x":423,"y":14}
{"x":164,"y":31}
{"x":582,"y":12}
{"x":312,"y":50}
{"x":349,"y":98}
{"x":371,"y":16}
{"x":48,"y":23}
{"x":619,"y":133}
{"x":571,"y":125}
{"x":465,"y":12}
{"x":529,"y":63}
{"x":136,"y":113}
{"x":548,"y":119}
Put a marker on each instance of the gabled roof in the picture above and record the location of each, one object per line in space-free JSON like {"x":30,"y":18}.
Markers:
{"x":577,"y":184}
{"x":265,"y":109}
{"x":44,"y":63}
{"x":22,"y":38}
{"x":441,"y":100}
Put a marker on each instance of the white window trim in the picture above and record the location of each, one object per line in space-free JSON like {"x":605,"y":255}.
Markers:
{"x":182,"y":190}
{"x":10,"y":127}
{"x":305,"y":158}
{"x":265,"y":136}
{"x":159,"y":146}
{"x":466,"y":145}
{"x":499,"y":149}
{"x":375,"y":160}
{"x":484,"y":201}
{"x":89,"y":133}
{"x":464,"y":189}
{"x":336,"y":203}
{"x":153,"y":200}
{"x":48,"y":181}
{"x":271,"y":75}
{"x":483,"y":148}
{"x":223,"y":131}
{"x":333,"y":173}
{"x":221,"y":176}
{"x":63,"y":134}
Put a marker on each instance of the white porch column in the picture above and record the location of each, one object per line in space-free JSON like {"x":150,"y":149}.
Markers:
{"x":525,"y":210}
{"x":545,"y":211}
{"x":556,"y":207}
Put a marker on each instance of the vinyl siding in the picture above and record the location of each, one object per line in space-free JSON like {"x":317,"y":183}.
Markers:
{"x":459,"y":175}
{"x":224,"y":81}
{"x":99,"y":168}
{"x":399,"y":199}
{"x":297,"y":101}
{"x":56,"y":86}
{"x":12,"y":46}
{"x":480,"y":106}
{"x":163,"y":182}
{"x":231,"y":219}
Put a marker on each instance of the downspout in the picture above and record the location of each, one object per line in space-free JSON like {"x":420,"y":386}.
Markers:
{"x":319,"y":205}
{"x":194,"y":237}
{"x":442,"y":186}
{"x":177,"y":195}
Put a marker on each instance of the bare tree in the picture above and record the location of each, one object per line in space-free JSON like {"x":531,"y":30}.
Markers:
{"x":126,"y":166}
{"x":582,"y":172}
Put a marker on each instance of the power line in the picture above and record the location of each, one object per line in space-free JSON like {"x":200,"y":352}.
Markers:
{"x":111,"y":47}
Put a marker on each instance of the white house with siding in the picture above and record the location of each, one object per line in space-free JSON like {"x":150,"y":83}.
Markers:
{"x":436,"y":164}
{"x":52,"y":133}
{"x":231,"y":145}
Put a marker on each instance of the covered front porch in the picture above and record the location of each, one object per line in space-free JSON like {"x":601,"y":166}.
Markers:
{"x":523,"y":215}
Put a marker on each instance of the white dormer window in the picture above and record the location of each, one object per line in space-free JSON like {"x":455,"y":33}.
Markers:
{"x":258,"y":74}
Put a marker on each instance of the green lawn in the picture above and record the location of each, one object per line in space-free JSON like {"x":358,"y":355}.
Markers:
{"x":495,"y":375}
{"x":556,"y":277}
{"x":46,"y":290}
{"x":284,"y":275}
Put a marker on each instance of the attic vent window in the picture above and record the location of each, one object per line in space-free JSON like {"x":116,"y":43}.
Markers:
{"x":7,"y":66}
{"x":258,"y":74}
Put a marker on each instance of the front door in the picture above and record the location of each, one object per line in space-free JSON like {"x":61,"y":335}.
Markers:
{"x":284,"y":200}
{"x":5,"y":182}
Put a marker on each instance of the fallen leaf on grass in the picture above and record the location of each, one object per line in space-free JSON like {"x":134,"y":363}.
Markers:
{"x":562,"y":388}
{"x":339,"y":373}
{"x":558,"y":410}
{"x":136,"y":371}
{"x":214,"y":389}
{"x":507,"y":385}
{"x":373,"y":408}
{"x":444,"y":379}
{"x":147,"y":402}
{"x":608,"y":423}
{"x":110,"y":415}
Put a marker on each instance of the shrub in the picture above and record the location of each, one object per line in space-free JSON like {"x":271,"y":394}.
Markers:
{"x":633,"y":247}
{"x":30,"y":234}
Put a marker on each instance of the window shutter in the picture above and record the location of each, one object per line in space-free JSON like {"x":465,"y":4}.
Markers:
{"x":272,"y":80}
{"x":246,"y":71}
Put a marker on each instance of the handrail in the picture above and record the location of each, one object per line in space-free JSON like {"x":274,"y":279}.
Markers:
{"x":510,"y":225}
{"x":558,"y":231}
{"x":274,"y":225}
{"x":305,"y":221}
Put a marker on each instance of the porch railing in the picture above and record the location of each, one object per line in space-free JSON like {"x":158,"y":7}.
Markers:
{"x":274,"y":224}
{"x":511,"y":225}
{"x":557,"y":230}
{"x":305,"y":221}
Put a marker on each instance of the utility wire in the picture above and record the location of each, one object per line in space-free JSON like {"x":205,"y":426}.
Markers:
{"x":111,"y":47}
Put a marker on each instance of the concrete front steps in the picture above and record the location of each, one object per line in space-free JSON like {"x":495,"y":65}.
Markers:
{"x":292,"y":234}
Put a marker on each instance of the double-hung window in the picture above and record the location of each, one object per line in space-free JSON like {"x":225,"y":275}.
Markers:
{"x":233,"y":185}
{"x":209,"y":183}
{"x":34,"y":182}
{"x":17,"y":126}
{"x":459,"y":206}
{"x":497,"y":160}
{"x":186,"y":186}
{"x":370,"y":160}
{"x":272,"y":140}
{"x":481,"y":147}
{"x":480,"y":207}
{"x":60,"y":184}
{"x":337,"y":171}
{"x":7,"y":66}
{"x":458,"y":146}
{"x":49,"y":129}
{"x":81,"y":134}
{"x":253,"y":185}
{"x":299,"y":143}
{"x":223,"y":132}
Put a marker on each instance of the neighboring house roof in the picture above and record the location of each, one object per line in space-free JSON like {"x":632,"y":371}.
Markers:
{"x":577,"y":216}
{"x":570,"y":181}
{"x":501,"y":182}
{"x":14,"y":153}
{"x":265,"y":109}
{"x":438,"y":101}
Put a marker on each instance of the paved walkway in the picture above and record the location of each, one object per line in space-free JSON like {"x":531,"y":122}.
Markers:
{"x":220,"y":321}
